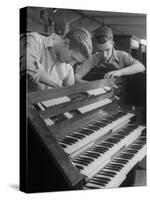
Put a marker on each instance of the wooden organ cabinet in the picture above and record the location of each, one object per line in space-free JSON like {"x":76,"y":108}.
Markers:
{"x":132,"y":45}
{"x":78,"y":137}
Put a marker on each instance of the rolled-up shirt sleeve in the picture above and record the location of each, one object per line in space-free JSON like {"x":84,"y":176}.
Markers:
{"x":83,"y":69}
{"x":30,"y":52}
{"x":127,"y":59}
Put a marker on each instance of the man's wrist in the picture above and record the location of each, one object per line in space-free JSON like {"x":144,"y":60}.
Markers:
{"x":120,"y":71}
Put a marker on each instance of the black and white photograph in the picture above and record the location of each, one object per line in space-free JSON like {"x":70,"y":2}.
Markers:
{"x":82,"y":99}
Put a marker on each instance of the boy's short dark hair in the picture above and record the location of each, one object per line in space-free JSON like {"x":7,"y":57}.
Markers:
{"x":103,"y":34}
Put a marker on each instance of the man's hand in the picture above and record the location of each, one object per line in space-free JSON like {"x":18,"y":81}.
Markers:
{"x":113,"y":74}
{"x":43,"y":77}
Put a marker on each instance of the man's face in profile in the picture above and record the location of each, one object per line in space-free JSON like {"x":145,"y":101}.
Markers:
{"x":69,"y":55}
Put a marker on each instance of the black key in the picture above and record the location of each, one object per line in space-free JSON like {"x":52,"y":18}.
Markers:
{"x":112,"y":140}
{"x":116,"y":165}
{"x":134,"y":126}
{"x":63,"y":145}
{"x":131,"y":151}
{"x":99,"y":124}
{"x":66,"y":142}
{"x":118,"y":136}
{"x":120,"y":161}
{"x":126,"y":156}
{"x":60,"y":118}
{"x":85,"y":163}
{"x":79,"y":136}
{"x":101,"y":178}
{"x":110,"y":118}
{"x":72,"y":140}
{"x":106,"y":122}
{"x":106,"y":144}
{"x":102,"y":183}
{"x":106,"y":174}
{"x":110,"y":172}
{"x":92,"y":127}
{"x":113,"y":168}
{"x":94,"y":155}
{"x":136,"y":147}
{"x":120,"y":166}
{"x":99,"y":149}
{"x":79,"y":167}
{"x":124,"y":133}
{"x":91,"y":187}
{"x":86,"y":158}
{"x":85,"y":131}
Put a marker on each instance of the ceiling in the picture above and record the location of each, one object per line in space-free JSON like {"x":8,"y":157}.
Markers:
{"x":121,"y":23}
{"x":40,"y":19}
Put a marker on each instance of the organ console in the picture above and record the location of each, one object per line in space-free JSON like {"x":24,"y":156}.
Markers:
{"x":79,"y":137}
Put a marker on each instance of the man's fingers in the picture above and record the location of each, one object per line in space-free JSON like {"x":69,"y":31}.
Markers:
{"x":111,"y":75}
{"x":108,"y":75}
{"x":38,"y":64}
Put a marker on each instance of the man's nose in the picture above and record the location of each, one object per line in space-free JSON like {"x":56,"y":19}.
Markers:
{"x":105,"y":54}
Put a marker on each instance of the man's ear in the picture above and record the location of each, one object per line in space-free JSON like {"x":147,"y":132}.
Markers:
{"x":67,"y":43}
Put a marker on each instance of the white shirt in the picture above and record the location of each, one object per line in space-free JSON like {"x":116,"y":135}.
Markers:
{"x":38,"y":47}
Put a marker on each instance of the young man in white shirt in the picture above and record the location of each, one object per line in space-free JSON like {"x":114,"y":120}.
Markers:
{"x":47,"y":61}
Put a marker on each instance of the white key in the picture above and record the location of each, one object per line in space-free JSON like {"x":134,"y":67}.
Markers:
{"x":107,"y":88}
{"x":68,"y":115}
{"x":55,"y":101}
{"x":41,"y":106}
{"x":93,"y":106}
{"x":96,"y":92}
{"x":48,"y":122}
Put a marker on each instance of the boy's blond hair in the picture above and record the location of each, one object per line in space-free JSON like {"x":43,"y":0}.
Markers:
{"x":80,"y":40}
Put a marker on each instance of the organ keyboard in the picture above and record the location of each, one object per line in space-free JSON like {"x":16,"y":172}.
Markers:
{"x":92,"y":160}
{"x":113,"y":174}
{"x":92,"y":132}
{"x":88,"y":139}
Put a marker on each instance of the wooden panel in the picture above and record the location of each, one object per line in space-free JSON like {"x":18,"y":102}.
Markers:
{"x":55,"y":151}
{"x":79,"y":121}
{"x":43,"y":95}
{"x":73,"y":105}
